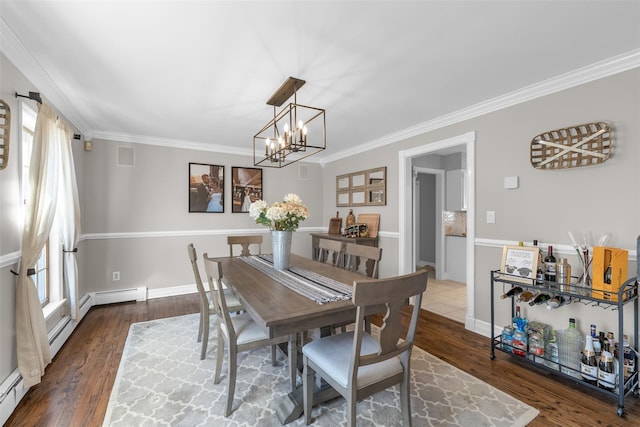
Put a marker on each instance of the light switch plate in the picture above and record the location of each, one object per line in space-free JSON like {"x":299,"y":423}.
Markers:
{"x":491,"y":217}
{"x":510,"y":182}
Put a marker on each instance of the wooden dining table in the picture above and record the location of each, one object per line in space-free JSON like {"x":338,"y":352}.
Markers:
{"x":281,"y":311}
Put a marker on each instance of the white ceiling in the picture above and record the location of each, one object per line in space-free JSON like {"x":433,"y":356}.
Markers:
{"x":199,"y":73}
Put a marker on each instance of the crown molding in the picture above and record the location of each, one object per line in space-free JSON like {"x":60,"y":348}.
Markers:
{"x":608,"y":67}
{"x":168,"y":142}
{"x":11,"y":46}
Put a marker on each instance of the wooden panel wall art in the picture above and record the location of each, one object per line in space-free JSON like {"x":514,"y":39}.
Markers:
{"x":5,"y":131}
{"x":572,"y":147}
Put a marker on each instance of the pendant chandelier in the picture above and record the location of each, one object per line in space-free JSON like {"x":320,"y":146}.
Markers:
{"x":294,"y":133}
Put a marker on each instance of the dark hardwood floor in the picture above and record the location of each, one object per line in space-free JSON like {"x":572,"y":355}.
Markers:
{"x":75,"y":390}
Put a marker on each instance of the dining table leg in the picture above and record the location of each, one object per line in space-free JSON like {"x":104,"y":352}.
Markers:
{"x":291,"y":407}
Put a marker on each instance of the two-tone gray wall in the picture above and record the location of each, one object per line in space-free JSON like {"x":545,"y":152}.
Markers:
{"x":135,"y":219}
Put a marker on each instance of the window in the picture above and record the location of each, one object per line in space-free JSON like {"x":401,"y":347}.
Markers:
{"x":46,"y":268}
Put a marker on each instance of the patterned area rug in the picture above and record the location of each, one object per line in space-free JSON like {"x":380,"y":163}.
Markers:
{"x":162,"y":382}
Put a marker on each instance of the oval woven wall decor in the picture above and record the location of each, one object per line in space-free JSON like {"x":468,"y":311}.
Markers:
{"x":572,"y":147}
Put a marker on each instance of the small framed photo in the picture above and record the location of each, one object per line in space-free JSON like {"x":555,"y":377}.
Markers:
{"x":246,"y":188}
{"x":519,"y":263}
{"x":206,"y":188}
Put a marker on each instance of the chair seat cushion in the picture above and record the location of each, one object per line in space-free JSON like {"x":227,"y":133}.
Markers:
{"x":246,"y":329}
{"x":233,"y":304}
{"x":333,"y":355}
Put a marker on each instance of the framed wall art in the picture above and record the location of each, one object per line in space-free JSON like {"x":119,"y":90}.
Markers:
{"x":519,"y":263}
{"x":206,"y":188}
{"x":246,"y":188}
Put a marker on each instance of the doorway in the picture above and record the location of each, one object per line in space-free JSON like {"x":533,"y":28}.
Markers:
{"x":407,"y":217}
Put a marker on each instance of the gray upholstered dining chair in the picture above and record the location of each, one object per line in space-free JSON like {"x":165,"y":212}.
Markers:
{"x":330,"y":252}
{"x":206,"y":302}
{"x":357,"y":257}
{"x":245,"y":242}
{"x":357,"y":364}
{"x":239,"y":333}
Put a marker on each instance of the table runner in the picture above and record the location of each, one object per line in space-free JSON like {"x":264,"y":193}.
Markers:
{"x":316,"y":287}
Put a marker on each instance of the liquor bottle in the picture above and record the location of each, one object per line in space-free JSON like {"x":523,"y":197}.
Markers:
{"x":572,"y":356}
{"x":540,"y":299}
{"x":507,"y":338}
{"x":606,"y":371}
{"x":539,"y":268}
{"x":551,"y":352}
{"x":520,"y":338}
{"x":612,"y":342}
{"x":536,"y":346}
{"x":550,"y":266}
{"x":589,"y":365}
{"x":629,"y":359}
{"x":596,"y":342}
{"x":516,"y":290}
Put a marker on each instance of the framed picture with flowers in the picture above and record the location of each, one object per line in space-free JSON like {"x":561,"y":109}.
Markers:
{"x":206,"y":188}
{"x":246,"y":188}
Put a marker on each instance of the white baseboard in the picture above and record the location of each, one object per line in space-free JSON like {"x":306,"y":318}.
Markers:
{"x":119,"y":295}
{"x":12,"y":389}
{"x":172,"y":291}
{"x":478,"y":326}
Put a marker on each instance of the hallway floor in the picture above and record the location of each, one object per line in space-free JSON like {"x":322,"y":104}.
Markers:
{"x":446,"y":298}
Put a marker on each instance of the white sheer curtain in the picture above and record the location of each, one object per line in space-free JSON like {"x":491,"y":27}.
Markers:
{"x":33,"y":350}
{"x":69,"y":217}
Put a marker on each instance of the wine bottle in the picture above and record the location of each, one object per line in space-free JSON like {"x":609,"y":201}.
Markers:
{"x":550,"y":266}
{"x":512,"y":292}
{"x":526,"y":296}
{"x":589,"y":365}
{"x":540,"y":298}
{"x":539,"y":269}
{"x":607,"y":274}
{"x":555,"y":302}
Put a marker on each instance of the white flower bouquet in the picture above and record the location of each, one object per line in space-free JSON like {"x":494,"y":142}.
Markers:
{"x":281,"y":216}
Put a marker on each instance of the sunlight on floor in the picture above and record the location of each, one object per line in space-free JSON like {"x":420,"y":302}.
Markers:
{"x":446,"y":298}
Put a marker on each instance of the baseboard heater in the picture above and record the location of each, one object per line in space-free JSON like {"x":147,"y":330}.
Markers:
{"x":12,"y":389}
{"x":120,"y":295}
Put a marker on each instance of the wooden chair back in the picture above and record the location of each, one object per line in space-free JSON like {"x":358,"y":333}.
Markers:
{"x":245,"y":242}
{"x":193,"y":257}
{"x":394,"y":292}
{"x":330,"y":251}
{"x":363,"y":259}
{"x":213,"y":271}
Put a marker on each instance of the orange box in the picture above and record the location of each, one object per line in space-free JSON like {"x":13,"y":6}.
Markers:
{"x":603,"y":257}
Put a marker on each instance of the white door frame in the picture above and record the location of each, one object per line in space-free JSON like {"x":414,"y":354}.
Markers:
{"x":406,"y":257}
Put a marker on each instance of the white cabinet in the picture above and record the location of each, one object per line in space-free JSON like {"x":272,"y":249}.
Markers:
{"x":456,"y":190}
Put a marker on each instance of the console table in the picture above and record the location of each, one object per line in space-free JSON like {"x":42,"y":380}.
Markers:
{"x":315,"y":249}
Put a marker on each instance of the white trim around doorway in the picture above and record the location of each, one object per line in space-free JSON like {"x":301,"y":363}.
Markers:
{"x":406,"y":256}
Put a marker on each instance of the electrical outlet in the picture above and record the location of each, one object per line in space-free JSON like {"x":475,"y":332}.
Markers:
{"x":116,"y":276}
